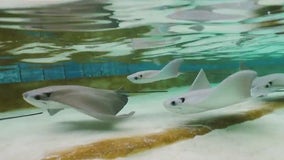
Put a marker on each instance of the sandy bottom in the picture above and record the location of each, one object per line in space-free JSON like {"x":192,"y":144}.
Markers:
{"x":35,"y":137}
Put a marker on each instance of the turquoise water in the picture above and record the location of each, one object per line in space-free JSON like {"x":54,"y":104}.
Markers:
{"x":120,"y":37}
{"x":42,"y":41}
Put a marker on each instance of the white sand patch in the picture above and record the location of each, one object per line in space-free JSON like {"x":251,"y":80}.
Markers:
{"x":259,"y":139}
{"x":36,"y":136}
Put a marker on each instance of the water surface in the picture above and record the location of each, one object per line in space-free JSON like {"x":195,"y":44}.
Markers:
{"x":208,"y":34}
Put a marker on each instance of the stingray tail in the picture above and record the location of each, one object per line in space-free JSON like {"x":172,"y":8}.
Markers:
{"x":121,"y":90}
{"x":20,"y":116}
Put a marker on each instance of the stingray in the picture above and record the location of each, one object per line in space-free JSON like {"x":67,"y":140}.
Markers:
{"x":171,"y":70}
{"x":262,"y":86}
{"x":201,"y":97}
{"x":98,"y":103}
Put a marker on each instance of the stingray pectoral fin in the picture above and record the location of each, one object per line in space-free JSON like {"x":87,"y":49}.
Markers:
{"x":111,"y":118}
{"x":172,"y":68}
{"x":53,"y":111}
{"x":123,"y":116}
{"x":103,"y":105}
{"x":233,"y":89}
{"x":200,"y":82}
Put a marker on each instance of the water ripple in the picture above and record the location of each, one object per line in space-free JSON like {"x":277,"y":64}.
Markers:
{"x":142,"y":31}
{"x":64,"y":17}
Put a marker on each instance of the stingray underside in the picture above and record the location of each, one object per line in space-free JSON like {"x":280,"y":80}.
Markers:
{"x":100,"y":104}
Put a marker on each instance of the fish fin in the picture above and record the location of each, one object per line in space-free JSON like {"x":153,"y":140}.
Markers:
{"x":200,"y":82}
{"x":123,"y":116}
{"x":111,"y":118}
{"x":172,"y":68}
{"x":53,"y":111}
{"x":119,"y":104}
{"x":95,"y":104}
{"x":233,"y":89}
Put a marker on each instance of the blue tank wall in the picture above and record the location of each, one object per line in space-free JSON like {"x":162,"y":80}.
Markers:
{"x":25,"y":72}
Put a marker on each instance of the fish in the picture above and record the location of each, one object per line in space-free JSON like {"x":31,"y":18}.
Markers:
{"x":264,"y":85}
{"x":202,"y":97}
{"x":171,"y":70}
{"x":101,"y":104}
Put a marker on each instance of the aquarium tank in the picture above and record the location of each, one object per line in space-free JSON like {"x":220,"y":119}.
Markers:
{"x":132,"y":79}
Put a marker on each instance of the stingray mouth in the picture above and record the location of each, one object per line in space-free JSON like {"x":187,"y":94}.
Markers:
{"x":176,"y":109}
{"x":258,"y":92}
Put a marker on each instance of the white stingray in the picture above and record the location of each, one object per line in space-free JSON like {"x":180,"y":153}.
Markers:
{"x":264,"y":85}
{"x":201,"y":97}
{"x":98,"y":103}
{"x":171,"y":70}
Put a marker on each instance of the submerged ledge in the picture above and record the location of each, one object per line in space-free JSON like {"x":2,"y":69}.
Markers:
{"x":122,"y":147}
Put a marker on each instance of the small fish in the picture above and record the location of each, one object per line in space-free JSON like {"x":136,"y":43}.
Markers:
{"x":264,"y":85}
{"x":202,"y":97}
{"x":98,"y":103}
{"x":171,"y":70}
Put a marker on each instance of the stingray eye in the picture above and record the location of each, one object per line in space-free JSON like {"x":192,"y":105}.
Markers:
{"x":140,"y":76}
{"x":266,"y":86}
{"x":47,"y":94}
{"x":173,"y":103}
{"x":37,"y":97}
{"x":135,"y":78}
{"x":270,"y":83}
{"x":182,"y":99}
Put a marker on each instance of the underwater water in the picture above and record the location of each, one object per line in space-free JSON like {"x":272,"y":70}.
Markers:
{"x":98,"y":43}
{"x":122,"y":37}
